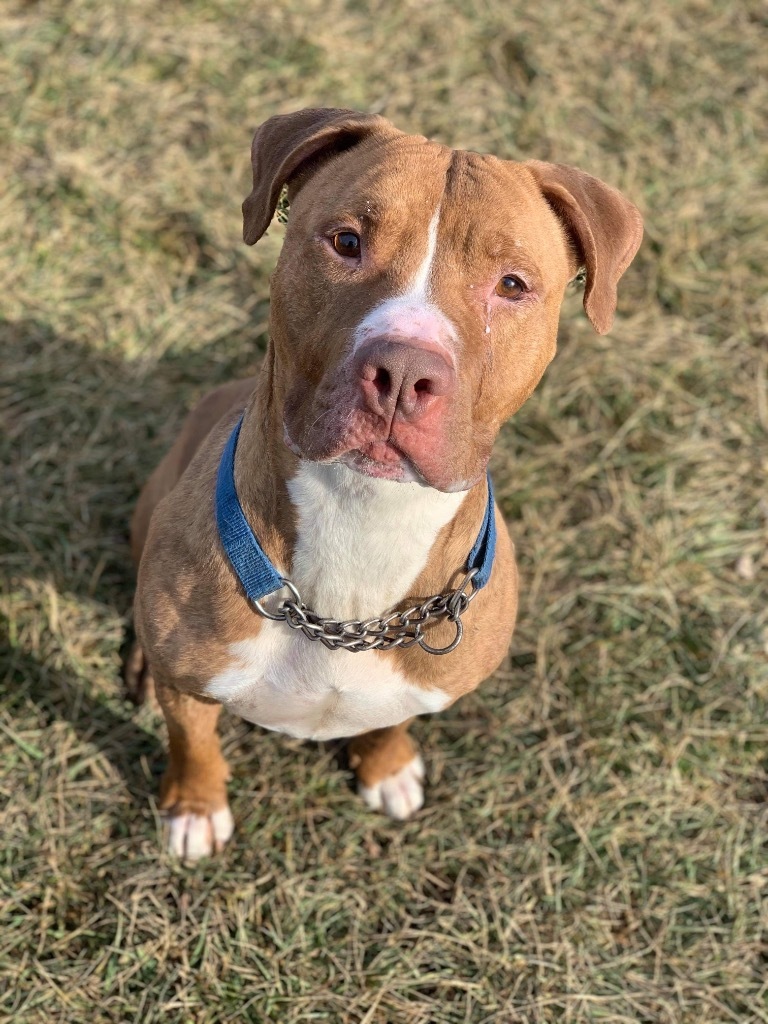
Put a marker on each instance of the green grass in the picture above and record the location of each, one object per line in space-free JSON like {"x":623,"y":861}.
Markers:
{"x":593,"y":848}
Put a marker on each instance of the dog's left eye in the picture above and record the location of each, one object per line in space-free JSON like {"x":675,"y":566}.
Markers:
{"x":510,"y":287}
{"x":347,"y":243}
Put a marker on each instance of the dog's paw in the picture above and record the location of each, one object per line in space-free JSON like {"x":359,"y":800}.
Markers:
{"x":399,"y":795}
{"x":192,"y":836}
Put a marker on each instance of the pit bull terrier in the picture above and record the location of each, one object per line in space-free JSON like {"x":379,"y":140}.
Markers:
{"x":414,"y":308}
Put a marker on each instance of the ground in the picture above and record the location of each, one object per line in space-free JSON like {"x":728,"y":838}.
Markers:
{"x":593,"y":846}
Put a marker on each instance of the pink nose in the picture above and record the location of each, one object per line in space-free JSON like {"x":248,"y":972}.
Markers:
{"x":396,"y":377}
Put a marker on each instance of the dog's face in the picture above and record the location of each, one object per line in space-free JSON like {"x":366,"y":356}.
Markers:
{"x":416,"y":299}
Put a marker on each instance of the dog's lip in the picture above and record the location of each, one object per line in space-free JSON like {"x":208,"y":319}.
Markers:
{"x":394,"y":465}
{"x":290,"y":443}
{"x":381,"y":459}
{"x":384,"y":452}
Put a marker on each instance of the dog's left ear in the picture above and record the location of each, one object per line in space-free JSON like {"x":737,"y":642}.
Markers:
{"x":605,"y":228}
{"x":287,"y":143}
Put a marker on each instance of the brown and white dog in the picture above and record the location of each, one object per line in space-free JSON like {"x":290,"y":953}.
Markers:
{"x":414,"y":308}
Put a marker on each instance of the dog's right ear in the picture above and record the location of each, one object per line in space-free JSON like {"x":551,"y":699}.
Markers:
{"x":286,"y":142}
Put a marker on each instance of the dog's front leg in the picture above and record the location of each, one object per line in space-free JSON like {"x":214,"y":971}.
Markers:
{"x":193,"y":791}
{"x":389,"y":770}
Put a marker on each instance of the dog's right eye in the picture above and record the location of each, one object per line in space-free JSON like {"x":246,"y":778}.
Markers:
{"x":347,"y":243}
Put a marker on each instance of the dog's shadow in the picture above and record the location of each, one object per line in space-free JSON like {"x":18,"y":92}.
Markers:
{"x":81,"y":430}
{"x":106,"y":722}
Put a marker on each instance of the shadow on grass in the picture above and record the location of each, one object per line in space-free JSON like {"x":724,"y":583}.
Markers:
{"x":82,"y":428}
{"x":100,"y":720}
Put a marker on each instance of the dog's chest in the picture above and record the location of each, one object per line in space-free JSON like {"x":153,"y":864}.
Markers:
{"x":283,"y":681}
{"x":360,"y":546}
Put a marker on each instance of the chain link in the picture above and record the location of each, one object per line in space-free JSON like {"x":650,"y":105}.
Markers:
{"x":397,"y":629}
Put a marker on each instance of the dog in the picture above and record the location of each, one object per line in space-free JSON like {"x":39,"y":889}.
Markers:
{"x":320,"y":551}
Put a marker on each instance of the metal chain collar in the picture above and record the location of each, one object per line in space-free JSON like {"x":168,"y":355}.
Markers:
{"x":397,"y":629}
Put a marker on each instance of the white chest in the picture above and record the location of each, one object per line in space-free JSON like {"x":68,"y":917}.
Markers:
{"x":361,"y":544}
{"x":283,"y":681}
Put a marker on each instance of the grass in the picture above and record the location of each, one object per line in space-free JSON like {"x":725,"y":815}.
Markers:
{"x":594,"y":844}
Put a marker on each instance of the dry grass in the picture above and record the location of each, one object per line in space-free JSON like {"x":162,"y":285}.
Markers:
{"x":594,"y":846}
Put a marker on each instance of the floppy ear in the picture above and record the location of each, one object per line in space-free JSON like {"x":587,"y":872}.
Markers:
{"x":287,"y":141}
{"x":605,"y":228}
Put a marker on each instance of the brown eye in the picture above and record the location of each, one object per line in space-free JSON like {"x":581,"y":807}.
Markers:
{"x":347,"y":243}
{"x":510,"y":287}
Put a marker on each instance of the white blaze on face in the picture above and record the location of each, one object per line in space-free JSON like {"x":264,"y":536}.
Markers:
{"x":412,"y":316}
{"x":420,"y":283}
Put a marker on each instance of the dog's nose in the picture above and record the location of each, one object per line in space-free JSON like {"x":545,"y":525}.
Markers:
{"x":396,"y":377}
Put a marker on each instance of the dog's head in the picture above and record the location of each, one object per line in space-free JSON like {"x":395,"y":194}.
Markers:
{"x":416,"y":299}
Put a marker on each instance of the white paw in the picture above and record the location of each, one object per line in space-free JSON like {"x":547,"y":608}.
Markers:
{"x":193,"y":836}
{"x":399,"y":795}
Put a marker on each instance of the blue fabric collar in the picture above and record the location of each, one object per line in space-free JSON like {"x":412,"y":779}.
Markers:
{"x":249,"y":560}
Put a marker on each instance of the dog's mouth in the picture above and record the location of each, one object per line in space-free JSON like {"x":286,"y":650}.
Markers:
{"x":382,"y":460}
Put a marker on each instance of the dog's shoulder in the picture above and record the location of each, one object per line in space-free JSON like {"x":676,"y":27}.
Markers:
{"x":186,"y":598}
